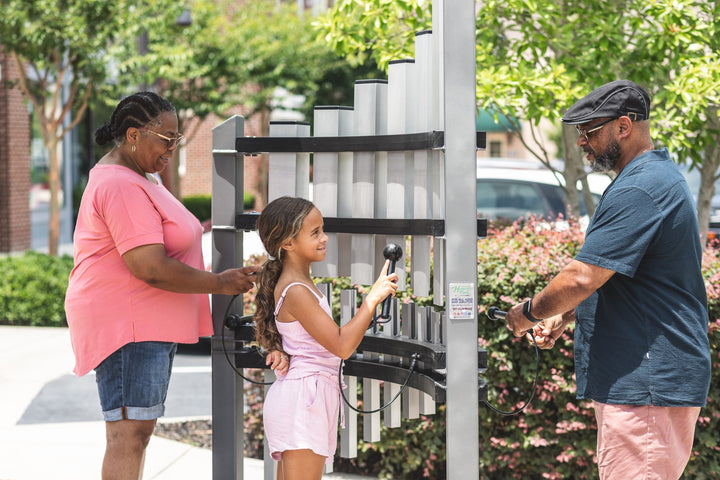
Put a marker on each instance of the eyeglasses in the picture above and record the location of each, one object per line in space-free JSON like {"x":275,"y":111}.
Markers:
{"x":586,"y":132}
{"x":170,"y":141}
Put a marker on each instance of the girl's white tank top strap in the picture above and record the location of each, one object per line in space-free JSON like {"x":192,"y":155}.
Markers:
{"x":285,"y":290}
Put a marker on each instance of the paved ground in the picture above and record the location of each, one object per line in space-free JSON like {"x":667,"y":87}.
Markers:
{"x":51,"y":426}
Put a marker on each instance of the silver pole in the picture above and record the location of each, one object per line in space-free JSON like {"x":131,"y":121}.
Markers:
{"x":227,"y":388}
{"x":457,"y":47}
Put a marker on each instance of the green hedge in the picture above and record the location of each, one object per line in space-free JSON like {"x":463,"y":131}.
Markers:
{"x":32,"y":289}
{"x":200,"y":205}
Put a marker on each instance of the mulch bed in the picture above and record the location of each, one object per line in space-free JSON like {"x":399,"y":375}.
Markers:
{"x":193,"y":432}
{"x":199,"y":434}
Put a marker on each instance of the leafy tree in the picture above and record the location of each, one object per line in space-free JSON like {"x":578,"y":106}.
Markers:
{"x":278,"y":48}
{"x":504,"y":56}
{"x":233,"y":55}
{"x":193,"y":65}
{"x":535,"y":58}
{"x":383,"y":30}
{"x":683,"y":67}
{"x":59,"y":47}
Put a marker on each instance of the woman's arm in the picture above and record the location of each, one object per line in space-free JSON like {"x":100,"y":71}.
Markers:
{"x":150,"y":264}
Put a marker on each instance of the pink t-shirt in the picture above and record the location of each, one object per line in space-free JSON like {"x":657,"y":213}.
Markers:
{"x":106,"y":306}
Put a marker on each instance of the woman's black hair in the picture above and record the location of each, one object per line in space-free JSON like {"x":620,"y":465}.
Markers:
{"x":137,"y":110}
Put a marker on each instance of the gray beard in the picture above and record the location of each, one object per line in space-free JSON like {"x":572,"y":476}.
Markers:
{"x":607,"y":160}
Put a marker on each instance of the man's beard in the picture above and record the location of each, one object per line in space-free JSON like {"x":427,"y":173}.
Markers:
{"x":607,"y":160}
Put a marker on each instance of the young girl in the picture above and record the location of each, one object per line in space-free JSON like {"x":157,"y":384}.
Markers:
{"x":302,"y":407}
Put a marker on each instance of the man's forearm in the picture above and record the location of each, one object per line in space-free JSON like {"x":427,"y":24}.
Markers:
{"x":576,"y":282}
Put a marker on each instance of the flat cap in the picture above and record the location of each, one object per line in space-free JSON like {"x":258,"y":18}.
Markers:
{"x":612,"y":100}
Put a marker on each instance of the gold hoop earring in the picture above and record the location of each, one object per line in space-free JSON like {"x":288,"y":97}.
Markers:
{"x":132,"y":149}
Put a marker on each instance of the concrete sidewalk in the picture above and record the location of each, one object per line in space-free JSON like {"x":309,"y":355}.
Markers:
{"x":31,"y":357}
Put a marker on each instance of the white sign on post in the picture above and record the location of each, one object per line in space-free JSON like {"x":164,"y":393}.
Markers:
{"x":461,"y":301}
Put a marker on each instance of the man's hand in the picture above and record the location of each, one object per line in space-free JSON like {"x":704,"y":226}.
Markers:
{"x":517,"y":322}
{"x":549,"y":330}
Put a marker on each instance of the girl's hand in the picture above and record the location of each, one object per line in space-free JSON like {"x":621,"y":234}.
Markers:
{"x":384,"y":285}
{"x":279,"y":362}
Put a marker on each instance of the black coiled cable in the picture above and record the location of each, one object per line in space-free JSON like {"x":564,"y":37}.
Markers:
{"x":413,"y":362}
{"x":227,"y":357}
{"x":495,"y":313}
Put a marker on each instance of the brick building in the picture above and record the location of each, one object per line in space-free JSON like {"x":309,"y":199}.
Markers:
{"x":15,"y":225}
{"x":196,"y":158}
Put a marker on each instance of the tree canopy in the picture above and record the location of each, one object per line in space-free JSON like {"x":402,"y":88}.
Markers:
{"x":228,"y":55}
{"x":60,"y":65}
{"x":231,"y":55}
{"x":535,"y":58}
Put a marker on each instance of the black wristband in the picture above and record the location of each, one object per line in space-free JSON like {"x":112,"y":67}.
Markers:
{"x":526,"y":311}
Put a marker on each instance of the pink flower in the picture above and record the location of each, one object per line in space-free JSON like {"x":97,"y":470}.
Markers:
{"x":538,"y":442}
{"x":564,"y":457}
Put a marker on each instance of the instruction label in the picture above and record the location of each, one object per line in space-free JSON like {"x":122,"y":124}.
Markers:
{"x":461,"y":301}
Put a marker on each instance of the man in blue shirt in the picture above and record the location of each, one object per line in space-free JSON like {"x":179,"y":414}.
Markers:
{"x":636,"y":294}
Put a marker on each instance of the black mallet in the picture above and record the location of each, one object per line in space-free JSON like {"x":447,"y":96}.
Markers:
{"x":393,"y":253}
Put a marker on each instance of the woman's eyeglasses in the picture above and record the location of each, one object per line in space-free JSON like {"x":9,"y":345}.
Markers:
{"x":170,"y":141}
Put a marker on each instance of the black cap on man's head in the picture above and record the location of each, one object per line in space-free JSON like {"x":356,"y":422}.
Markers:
{"x":612,"y":100}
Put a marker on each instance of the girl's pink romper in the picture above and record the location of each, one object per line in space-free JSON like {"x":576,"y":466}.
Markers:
{"x":301,"y":409}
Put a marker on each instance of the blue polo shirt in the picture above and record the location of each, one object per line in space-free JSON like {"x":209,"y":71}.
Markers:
{"x":641,"y":338}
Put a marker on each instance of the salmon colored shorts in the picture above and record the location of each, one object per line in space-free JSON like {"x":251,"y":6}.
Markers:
{"x":644,"y":442}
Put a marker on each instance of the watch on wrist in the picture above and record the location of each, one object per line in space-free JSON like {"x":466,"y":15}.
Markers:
{"x":526,"y":311}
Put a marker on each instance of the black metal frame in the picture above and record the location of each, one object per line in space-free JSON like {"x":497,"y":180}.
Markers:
{"x":434,"y":140}
{"x":427,"y":376}
{"x":376,"y":226}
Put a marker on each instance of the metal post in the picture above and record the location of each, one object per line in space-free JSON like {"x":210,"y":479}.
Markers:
{"x":348,"y":435}
{"x":227,"y":388}
{"x":456,"y":30}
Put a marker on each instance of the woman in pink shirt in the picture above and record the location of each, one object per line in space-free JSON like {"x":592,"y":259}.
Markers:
{"x":138,"y":286}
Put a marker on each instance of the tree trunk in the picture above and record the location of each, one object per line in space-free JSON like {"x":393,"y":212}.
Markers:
{"x":574,"y":170}
{"x":707,"y":190}
{"x":708,"y":176}
{"x":55,"y":187}
{"x":588,"y":197}
{"x":171,"y":175}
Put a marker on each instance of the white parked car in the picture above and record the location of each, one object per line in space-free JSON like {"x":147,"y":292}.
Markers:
{"x":693,"y":179}
{"x":509,"y":190}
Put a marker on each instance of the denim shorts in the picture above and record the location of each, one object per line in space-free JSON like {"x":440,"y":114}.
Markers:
{"x":133,"y":381}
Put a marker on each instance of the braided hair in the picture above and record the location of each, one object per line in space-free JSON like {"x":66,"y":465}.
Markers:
{"x":280,"y":221}
{"x":137,"y":110}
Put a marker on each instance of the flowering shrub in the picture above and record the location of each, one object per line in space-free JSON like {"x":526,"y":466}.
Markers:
{"x":555,"y":437}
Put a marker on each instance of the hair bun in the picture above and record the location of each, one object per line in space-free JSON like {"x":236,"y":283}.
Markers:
{"x":103,"y":134}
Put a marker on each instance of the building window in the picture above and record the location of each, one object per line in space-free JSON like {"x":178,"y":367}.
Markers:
{"x":496,"y":149}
